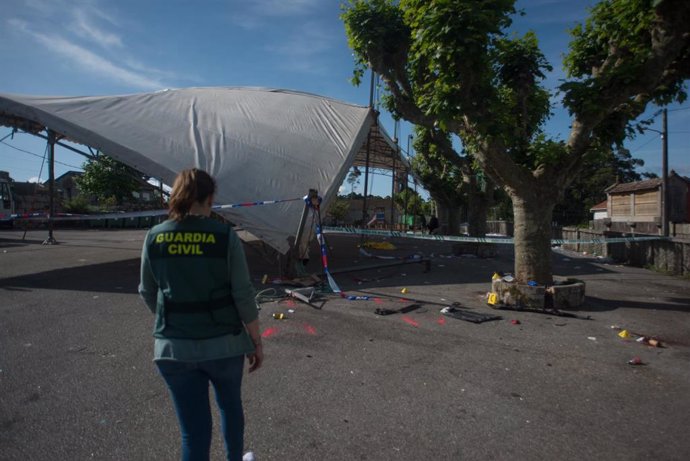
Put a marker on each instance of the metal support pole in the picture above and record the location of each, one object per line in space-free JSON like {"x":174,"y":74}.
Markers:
{"x":664,"y":176}
{"x":51,"y":188}
{"x":365,"y":214}
{"x":300,"y":245}
{"x":393,"y":189}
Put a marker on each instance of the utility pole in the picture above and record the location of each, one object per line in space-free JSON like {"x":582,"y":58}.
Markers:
{"x":51,"y":188}
{"x":664,"y":175}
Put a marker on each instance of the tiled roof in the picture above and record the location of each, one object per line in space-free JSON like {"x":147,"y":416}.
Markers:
{"x":647,"y":184}
{"x":600,"y":206}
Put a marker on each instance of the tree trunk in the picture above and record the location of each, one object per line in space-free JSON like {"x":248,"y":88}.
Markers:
{"x":449,"y":218}
{"x":476,"y":213}
{"x":533,"y":239}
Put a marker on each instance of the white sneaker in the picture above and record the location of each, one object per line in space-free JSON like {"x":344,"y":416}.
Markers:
{"x":249,"y":456}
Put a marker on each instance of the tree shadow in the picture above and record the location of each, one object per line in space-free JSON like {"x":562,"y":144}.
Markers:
{"x":111,"y":277}
{"x":596,"y":304}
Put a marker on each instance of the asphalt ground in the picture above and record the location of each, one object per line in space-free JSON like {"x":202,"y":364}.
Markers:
{"x":341,"y":383}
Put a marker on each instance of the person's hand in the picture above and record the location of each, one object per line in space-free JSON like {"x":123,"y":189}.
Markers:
{"x":256,"y":358}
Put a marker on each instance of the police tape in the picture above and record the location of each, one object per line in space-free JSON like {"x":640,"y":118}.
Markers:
{"x":42,"y":216}
{"x":489,"y":240}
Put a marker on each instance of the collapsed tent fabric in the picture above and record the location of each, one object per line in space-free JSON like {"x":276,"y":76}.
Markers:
{"x":259,"y":144}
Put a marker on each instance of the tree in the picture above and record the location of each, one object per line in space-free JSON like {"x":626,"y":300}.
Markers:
{"x":452,"y":180}
{"x":450,"y":65}
{"x":604,"y":170}
{"x":338,"y":209}
{"x":107,"y":179}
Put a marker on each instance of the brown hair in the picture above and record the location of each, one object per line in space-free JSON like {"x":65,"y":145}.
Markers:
{"x":190,"y":186}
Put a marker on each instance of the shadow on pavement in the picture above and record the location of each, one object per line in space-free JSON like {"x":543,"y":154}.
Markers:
{"x":111,"y":277}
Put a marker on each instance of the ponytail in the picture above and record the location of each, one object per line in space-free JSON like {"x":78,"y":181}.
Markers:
{"x":190,"y":186}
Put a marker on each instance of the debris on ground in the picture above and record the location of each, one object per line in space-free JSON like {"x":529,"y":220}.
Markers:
{"x":515,"y":322}
{"x":468,"y":316}
{"x":635,"y":361}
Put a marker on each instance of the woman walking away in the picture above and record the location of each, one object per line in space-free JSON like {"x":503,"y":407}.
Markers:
{"x":194,"y":278}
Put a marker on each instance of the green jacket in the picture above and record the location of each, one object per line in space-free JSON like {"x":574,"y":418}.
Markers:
{"x":194,"y":277}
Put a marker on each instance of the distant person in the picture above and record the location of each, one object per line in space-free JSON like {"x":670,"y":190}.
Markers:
{"x":194,"y":278}
{"x":422,"y":222}
{"x":433,"y":225}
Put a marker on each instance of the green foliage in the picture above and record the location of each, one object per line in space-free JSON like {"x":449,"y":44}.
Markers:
{"x":410,"y":202}
{"x":439,"y":175}
{"x":375,"y":31}
{"x":107,"y":179}
{"x":78,"y":205}
{"x":604,"y":169}
{"x":616,"y":47}
{"x":338,"y":209}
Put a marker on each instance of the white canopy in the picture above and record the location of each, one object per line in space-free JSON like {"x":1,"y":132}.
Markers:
{"x":259,"y":144}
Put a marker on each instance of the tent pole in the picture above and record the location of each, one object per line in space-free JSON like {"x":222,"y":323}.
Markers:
{"x":393,"y":192}
{"x":300,"y":244}
{"x":51,"y":188}
{"x":365,"y":215}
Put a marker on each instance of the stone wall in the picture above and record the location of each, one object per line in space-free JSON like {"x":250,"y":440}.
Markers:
{"x":672,"y":255}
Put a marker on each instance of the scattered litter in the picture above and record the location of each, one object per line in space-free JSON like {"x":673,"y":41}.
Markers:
{"x":440,"y":321}
{"x":379,"y":245}
{"x":402,"y":310}
{"x":279,"y":316}
{"x":635,"y":361}
{"x":592,"y":338}
{"x":508,"y":278}
{"x":403,"y":291}
{"x":624,"y":334}
{"x":358,"y":298}
{"x":515,"y":322}
{"x":264,"y":279}
{"x":474,"y":317}
{"x":291,"y":311}
{"x":615,"y":327}
{"x":532,"y":283}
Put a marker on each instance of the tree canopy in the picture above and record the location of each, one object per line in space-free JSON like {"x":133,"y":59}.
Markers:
{"x":452,"y":66}
{"x":107,"y":179}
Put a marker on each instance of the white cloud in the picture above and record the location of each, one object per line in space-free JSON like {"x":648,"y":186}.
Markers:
{"x":84,"y":26}
{"x":87,"y":60}
{"x":34,"y":179}
{"x":283,"y":7}
{"x":300,"y":50}
{"x":253,"y":15}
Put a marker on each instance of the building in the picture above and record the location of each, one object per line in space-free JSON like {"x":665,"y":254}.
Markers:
{"x":639,"y":204}
{"x":600,"y":210}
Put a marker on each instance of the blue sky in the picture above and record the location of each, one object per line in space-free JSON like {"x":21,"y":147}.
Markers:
{"x":89,"y":47}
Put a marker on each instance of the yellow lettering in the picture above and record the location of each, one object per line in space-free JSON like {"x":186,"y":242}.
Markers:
{"x":188,"y":237}
{"x":198,"y":237}
{"x":173,"y":249}
{"x":178,"y":237}
{"x":211,"y":238}
{"x":159,"y":238}
{"x":168,"y":237}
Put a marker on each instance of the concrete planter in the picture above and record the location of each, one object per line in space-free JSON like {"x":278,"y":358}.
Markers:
{"x":565,"y":293}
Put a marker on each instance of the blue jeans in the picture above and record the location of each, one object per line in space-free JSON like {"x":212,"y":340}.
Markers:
{"x":188,"y":384}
